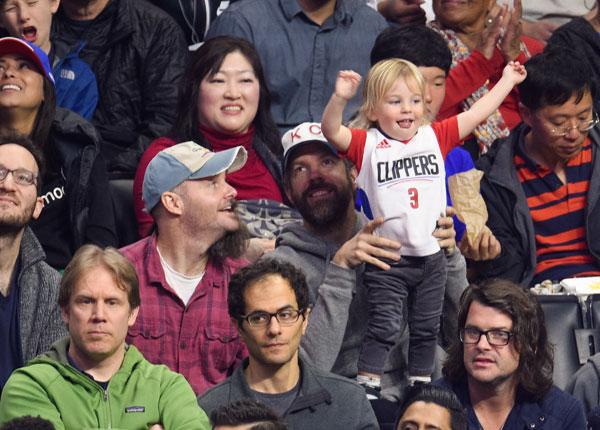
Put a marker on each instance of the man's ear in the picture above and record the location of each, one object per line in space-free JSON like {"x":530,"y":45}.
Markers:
{"x":353,"y":175}
{"x":526,"y":114}
{"x":37,"y":210}
{"x":288,"y":191}
{"x":305,"y":322}
{"x":64,"y":315}
{"x":240,"y":330}
{"x":172,"y":203}
{"x":133,"y":316}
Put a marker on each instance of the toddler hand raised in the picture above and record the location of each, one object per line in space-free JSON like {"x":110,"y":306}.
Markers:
{"x":515,"y":72}
{"x":347,"y":84}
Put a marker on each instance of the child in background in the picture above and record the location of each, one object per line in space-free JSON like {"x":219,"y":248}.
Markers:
{"x":75,"y":83}
{"x":400,"y":159}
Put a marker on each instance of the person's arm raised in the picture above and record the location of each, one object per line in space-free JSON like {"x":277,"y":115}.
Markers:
{"x":513,"y":74}
{"x":338,"y":135}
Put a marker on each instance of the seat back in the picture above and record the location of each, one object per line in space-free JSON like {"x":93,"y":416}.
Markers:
{"x":563,"y":316}
{"x":594,"y":310}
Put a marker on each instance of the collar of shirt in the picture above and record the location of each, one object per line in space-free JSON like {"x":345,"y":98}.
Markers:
{"x":156,"y":274}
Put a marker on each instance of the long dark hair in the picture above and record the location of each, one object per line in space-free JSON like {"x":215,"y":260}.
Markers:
{"x":207,"y":61}
{"x":529,"y":334}
{"x":45,"y":115}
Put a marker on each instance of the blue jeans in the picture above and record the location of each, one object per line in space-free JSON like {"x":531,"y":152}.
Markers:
{"x":418,"y":282}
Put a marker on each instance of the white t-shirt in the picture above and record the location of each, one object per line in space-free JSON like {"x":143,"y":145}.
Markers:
{"x":183,"y":285}
{"x":404,"y":182}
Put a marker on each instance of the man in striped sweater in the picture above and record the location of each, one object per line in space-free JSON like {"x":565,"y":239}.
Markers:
{"x":541,"y":184}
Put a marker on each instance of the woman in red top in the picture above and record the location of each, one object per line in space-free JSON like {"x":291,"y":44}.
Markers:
{"x":224,"y":102}
{"x":482,"y":38}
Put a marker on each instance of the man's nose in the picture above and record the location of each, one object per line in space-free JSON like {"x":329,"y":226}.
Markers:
{"x":8,"y":183}
{"x":99,"y":311}
{"x":483,"y":342}
{"x":274,"y":326}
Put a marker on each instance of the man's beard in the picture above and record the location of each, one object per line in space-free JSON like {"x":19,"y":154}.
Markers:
{"x":327,"y":212}
{"x":233,"y":244}
{"x":14,"y":223}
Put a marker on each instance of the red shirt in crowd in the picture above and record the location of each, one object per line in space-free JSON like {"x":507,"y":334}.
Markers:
{"x":470,"y":74}
{"x":198,"y":340}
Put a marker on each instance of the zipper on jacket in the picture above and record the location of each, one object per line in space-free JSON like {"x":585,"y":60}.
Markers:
{"x":105,"y":396}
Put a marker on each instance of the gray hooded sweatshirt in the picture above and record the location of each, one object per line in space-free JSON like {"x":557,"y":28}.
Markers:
{"x":337,"y":321}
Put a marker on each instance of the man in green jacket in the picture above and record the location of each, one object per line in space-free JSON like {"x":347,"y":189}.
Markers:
{"x":92,"y":379}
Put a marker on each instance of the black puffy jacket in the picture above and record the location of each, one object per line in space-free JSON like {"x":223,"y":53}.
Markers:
{"x":74,"y":143}
{"x":138,"y":54}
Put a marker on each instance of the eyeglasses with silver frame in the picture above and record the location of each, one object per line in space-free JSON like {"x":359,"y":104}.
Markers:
{"x":582,"y":126}
{"x":285,"y":317}
{"x":495,"y":337}
{"x":20,"y":176}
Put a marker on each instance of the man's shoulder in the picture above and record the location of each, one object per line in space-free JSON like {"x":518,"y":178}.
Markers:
{"x":558,"y":401}
{"x":221,"y":394}
{"x":336,"y":385}
{"x":360,"y":9}
{"x":136,"y":369}
{"x":255,"y":11}
{"x":33,"y":264}
{"x":296,"y":238}
{"x":500,"y":153}
{"x":146,"y":12}
{"x":135,"y":251}
{"x":44,"y":371}
{"x":251,"y":11}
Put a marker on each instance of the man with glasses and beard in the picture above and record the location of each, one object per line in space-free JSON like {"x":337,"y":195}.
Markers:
{"x":185,"y":266}
{"x":29,"y":314}
{"x":541,"y":183}
{"x":500,"y":363}
{"x":332,"y":246}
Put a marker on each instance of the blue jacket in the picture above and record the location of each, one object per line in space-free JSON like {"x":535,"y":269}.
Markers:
{"x":557,"y":410}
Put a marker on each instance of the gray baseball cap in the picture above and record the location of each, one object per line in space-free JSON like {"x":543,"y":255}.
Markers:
{"x":184,"y":161}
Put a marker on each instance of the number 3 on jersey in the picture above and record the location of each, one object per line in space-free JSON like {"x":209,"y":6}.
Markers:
{"x":413,"y":195}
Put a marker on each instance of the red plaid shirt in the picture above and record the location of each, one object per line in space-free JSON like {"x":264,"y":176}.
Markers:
{"x":198,"y":340}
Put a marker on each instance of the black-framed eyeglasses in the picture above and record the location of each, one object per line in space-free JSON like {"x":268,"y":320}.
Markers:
{"x":582,"y":126}
{"x":20,"y":176}
{"x":495,"y":337}
{"x":285,"y":317}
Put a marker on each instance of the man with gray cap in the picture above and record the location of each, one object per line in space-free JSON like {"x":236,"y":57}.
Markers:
{"x":331,"y":246}
{"x":185,"y":266}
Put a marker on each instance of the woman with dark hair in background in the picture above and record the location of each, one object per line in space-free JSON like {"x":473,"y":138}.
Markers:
{"x":224,"y":102}
{"x":77,"y":205}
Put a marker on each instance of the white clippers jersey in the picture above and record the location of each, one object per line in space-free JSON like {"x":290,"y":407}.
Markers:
{"x":404,"y":182}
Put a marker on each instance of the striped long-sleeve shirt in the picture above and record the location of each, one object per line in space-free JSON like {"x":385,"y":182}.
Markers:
{"x":558,"y":214}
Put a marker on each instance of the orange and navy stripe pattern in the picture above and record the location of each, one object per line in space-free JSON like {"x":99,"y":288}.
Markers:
{"x":558,"y":214}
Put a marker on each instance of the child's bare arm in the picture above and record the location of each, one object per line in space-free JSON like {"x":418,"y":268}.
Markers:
{"x":345,"y":88}
{"x":514,"y":73}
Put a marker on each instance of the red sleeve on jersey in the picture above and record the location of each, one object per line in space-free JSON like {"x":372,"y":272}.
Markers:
{"x":356,"y":149}
{"x":446,"y":132}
